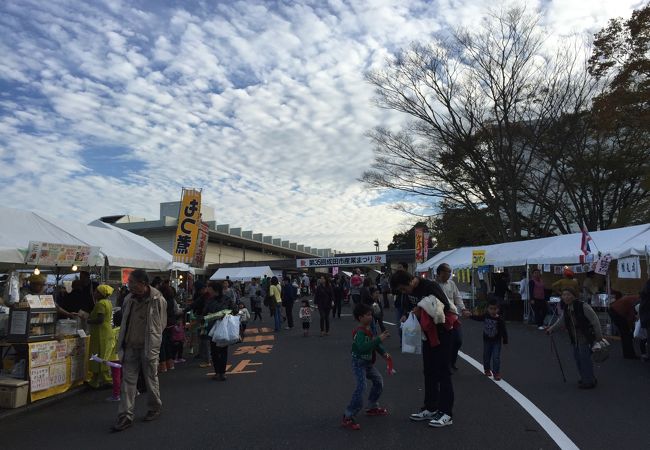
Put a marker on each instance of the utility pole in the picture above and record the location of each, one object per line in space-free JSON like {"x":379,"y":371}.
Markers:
{"x":377,"y":244}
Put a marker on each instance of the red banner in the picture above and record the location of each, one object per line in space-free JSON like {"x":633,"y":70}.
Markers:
{"x":201,"y":246}
{"x":419,"y":245}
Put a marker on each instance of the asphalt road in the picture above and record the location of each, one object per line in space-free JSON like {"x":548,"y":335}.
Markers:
{"x":286,"y":391}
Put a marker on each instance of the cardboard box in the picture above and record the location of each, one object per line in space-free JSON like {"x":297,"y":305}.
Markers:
{"x":13,"y":393}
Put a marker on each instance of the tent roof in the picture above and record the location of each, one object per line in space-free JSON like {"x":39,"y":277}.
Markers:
{"x":564,"y":249}
{"x":242,"y":273}
{"x":121,"y":248}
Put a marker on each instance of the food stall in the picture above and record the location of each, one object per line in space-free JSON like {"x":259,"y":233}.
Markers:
{"x":37,"y":353}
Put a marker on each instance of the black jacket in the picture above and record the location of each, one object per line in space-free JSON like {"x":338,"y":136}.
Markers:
{"x":494,"y":329}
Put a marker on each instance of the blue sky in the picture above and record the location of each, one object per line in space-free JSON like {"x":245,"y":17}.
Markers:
{"x":110,"y":107}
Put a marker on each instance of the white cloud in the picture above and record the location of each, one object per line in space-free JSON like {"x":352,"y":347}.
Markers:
{"x":263,"y":105}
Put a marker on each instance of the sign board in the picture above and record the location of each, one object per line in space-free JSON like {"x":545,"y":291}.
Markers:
{"x":478,"y":258}
{"x":56,"y":366}
{"x":187,"y":231}
{"x":50,"y":254}
{"x":341,"y":261}
{"x":602,"y":265}
{"x":629,"y":267}
{"x":40,"y":301}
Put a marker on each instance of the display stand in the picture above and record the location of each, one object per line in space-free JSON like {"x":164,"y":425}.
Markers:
{"x":33,"y":319}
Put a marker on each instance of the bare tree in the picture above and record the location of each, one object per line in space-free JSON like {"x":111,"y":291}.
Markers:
{"x":481,"y":104}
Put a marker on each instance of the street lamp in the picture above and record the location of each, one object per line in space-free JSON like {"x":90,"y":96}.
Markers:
{"x":377,"y":245}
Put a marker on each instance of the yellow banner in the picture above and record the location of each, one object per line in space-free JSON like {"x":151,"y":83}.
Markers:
{"x":187,"y":232}
{"x":478,"y":258}
{"x":56,"y":366}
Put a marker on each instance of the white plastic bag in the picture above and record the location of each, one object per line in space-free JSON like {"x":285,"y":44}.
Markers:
{"x":411,"y":335}
{"x":640,"y":333}
{"x":225,"y":331}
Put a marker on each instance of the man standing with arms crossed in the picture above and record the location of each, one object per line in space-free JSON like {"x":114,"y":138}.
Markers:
{"x":143,"y":321}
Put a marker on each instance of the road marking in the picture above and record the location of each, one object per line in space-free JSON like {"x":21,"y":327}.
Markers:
{"x":260,"y":338}
{"x":561,"y":439}
{"x":252,"y":349}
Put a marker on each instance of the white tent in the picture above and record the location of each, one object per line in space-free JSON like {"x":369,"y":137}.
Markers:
{"x":242,"y":273}
{"x":121,"y":248}
{"x":564,"y":249}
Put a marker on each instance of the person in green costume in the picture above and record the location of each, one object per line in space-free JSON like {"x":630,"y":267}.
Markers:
{"x":101,"y":336}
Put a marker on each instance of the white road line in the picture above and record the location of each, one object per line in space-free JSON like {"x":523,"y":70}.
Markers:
{"x":561,"y":439}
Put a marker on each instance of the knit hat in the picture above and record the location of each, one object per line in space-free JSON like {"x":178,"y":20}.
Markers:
{"x":105,"y":290}
{"x":568,"y":272}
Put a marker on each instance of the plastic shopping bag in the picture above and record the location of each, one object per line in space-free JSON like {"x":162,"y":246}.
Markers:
{"x":225,"y":331}
{"x":640,"y":333}
{"x":411,"y":335}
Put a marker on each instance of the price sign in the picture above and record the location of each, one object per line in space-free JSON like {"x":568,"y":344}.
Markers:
{"x":478,"y":258}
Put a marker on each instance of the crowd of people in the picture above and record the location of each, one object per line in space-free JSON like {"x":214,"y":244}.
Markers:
{"x":147,"y":330}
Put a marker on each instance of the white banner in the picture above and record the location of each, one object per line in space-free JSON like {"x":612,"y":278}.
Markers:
{"x":629,"y":267}
{"x":363,"y":260}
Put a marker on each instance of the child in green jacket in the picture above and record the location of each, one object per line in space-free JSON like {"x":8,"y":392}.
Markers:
{"x":364,"y":346}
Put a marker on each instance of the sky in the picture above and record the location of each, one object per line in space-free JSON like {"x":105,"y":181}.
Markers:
{"x":111,"y":107}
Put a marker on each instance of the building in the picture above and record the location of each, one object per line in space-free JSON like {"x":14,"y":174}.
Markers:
{"x":226,"y":245}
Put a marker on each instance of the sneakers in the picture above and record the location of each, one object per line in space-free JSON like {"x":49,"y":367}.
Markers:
{"x":541,"y":328}
{"x":425,"y":414}
{"x":350,"y":423}
{"x":488,"y":373}
{"x":376,"y":412}
{"x":113,"y":399}
{"x":441,"y":420}
{"x":152,"y":415}
{"x":497,"y":376}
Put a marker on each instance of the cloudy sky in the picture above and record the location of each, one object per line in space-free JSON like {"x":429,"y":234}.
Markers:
{"x":110,"y":107}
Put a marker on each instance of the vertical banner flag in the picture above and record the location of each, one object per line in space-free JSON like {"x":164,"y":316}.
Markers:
{"x":584,"y":244}
{"x":187,"y":232}
{"x":419,"y":245}
{"x":425,"y":256}
{"x":201,"y":246}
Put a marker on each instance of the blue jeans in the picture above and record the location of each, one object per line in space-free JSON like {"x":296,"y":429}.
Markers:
{"x":582,"y":355}
{"x":492,"y":356}
{"x":278,"y":317}
{"x":363,"y":370}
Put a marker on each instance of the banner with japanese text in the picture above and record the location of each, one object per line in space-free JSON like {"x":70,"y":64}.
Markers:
{"x":427,"y":236}
{"x":187,"y":231}
{"x":419,"y":245}
{"x":478,"y":258}
{"x":341,"y":261}
{"x":201,"y":245}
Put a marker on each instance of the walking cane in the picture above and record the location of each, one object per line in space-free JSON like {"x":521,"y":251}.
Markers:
{"x":557,"y":355}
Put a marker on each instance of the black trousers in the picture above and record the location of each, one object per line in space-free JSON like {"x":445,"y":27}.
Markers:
{"x":540,"y":307}
{"x":289,"y":311}
{"x":627,"y":338}
{"x":324,"y":320}
{"x":219,"y":358}
{"x":178,"y":350}
{"x":336,"y":312}
{"x":438,"y":388}
{"x":457,"y":343}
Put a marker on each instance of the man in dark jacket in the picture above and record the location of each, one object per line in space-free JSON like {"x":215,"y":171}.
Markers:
{"x":438,"y":387}
{"x":288,"y":297}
